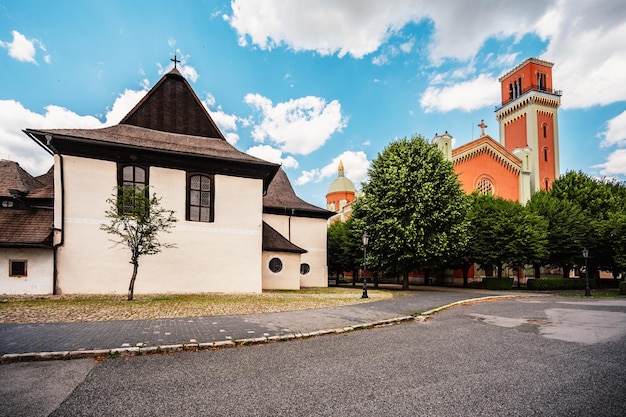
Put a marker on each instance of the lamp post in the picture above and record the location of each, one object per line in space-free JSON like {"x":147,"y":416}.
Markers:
{"x":587,"y":290}
{"x":366,"y":241}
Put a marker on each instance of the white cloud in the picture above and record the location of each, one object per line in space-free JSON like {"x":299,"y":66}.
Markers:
{"x":615,"y":133}
{"x":24,"y":49}
{"x":585,"y":45}
{"x":614,"y":165}
{"x":468,"y":95}
{"x":355,"y":165}
{"x":123,"y":104}
{"x":357,"y":28}
{"x":299,"y":126}
{"x":227,"y":123}
{"x":14,"y":117}
{"x":274,"y":155}
{"x":584,"y":38}
{"x":16,"y":146}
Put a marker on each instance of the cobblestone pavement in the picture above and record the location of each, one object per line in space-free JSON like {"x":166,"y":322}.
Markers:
{"x":56,"y":337}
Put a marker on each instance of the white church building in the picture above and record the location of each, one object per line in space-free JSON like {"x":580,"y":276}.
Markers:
{"x":240,"y":227}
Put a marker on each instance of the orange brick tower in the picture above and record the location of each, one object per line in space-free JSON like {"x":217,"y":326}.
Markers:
{"x":528,"y":120}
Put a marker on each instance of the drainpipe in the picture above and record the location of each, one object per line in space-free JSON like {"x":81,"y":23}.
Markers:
{"x":55,"y":247}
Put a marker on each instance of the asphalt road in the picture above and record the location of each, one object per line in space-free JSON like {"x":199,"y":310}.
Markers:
{"x":552,"y":356}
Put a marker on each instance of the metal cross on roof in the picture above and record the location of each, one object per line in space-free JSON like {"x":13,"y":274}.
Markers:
{"x":482,"y":125}
{"x":175,"y":61}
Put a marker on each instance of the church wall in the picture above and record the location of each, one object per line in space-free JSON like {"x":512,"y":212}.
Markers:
{"x":39,"y":269}
{"x":286,"y":279}
{"x":505,"y":181}
{"x":515,"y":133}
{"x":336,"y":198}
{"x":222,"y":256}
{"x":309,"y":234}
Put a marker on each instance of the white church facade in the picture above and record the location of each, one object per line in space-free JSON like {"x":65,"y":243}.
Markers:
{"x":240,"y":228}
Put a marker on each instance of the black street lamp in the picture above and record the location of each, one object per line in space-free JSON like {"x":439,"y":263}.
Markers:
{"x":366,"y":241}
{"x":587,"y":290}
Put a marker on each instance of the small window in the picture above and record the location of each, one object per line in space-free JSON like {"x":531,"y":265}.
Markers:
{"x":7,"y":203}
{"x":276,"y":265}
{"x":17,"y":268}
{"x":545,"y":154}
{"x":485,"y":186}
{"x":546,"y":181}
{"x":200,"y":198}
{"x":545,"y":130}
{"x":305,"y":269}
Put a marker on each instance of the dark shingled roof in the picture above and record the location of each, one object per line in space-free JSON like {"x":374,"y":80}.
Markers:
{"x":281,"y":199}
{"x":274,"y":241}
{"x":141,"y":137}
{"x":172,"y":106}
{"x":13,"y":177}
{"x":23,"y":228}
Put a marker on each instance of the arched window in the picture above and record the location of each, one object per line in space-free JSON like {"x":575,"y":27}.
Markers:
{"x":546,"y":182}
{"x":485,"y":186}
{"x":200,"y":198}
{"x":276,"y":265}
{"x":305,"y":269}
{"x":545,"y":154}
{"x":545,"y":130}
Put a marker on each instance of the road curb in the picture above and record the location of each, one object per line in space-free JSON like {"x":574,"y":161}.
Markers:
{"x":129,"y":351}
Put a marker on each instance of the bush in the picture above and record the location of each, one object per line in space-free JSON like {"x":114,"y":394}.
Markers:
{"x":498,"y":283}
{"x":543,"y":284}
{"x":622,"y":288}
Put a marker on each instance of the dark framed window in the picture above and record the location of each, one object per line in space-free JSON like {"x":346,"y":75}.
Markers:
{"x":305,"y":269}
{"x":17,"y":268}
{"x":545,"y":130}
{"x":276,"y":265}
{"x":7,"y":203}
{"x":200,"y":197}
{"x":545,"y":154}
{"x":132,"y":176}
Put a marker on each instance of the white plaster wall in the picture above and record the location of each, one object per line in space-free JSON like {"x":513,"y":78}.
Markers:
{"x":309,"y":234}
{"x":286,"y":279}
{"x":39,"y":270}
{"x":223,"y":256}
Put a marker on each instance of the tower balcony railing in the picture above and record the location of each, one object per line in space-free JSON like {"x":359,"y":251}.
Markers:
{"x":533,"y":87}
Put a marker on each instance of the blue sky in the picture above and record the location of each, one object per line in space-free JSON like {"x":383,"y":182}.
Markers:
{"x":305,"y":83}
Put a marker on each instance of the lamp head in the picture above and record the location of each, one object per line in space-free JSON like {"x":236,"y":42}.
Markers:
{"x":366,"y":239}
{"x":585,"y":253}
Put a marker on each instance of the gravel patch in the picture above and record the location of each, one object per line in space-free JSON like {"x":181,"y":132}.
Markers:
{"x":84,"y":308}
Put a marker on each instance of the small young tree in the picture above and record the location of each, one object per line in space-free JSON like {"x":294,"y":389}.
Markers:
{"x":135,"y":220}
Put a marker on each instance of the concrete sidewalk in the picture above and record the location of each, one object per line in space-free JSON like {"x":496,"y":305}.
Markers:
{"x":24,"y":342}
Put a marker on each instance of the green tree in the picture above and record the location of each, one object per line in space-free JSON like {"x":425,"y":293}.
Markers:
{"x":503,"y":233}
{"x":601,"y":201}
{"x":338,"y":253}
{"x":135,"y":220}
{"x":413,"y":208}
{"x":566,"y":230}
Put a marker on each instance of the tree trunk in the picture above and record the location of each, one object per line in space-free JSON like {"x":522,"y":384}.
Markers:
{"x":537,"y":271}
{"x":426,"y":276}
{"x":131,"y":288}
{"x":405,"y":281}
